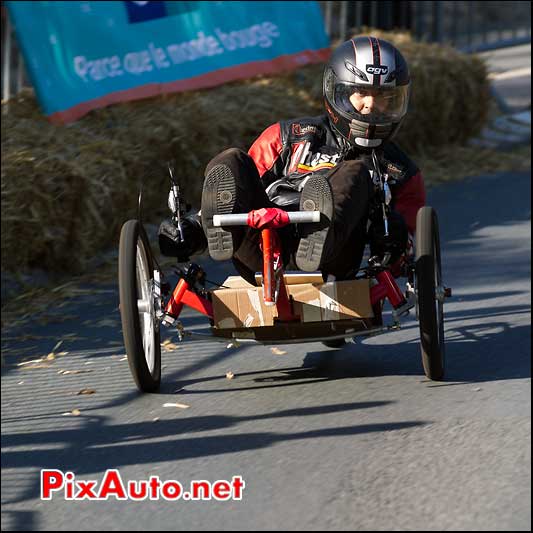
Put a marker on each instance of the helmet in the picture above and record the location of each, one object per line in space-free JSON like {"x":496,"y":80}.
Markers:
{"x":366,"y":91}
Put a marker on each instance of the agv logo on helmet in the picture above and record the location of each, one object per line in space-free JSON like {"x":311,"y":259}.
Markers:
{"x":381,"y":70}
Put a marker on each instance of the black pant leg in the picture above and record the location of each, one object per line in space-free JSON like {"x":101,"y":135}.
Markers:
{"x":352,"y":190}
{"x":247,"y":256}
{"x":250,"y":191}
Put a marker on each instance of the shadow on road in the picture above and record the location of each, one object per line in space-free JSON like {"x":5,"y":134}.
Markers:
{"x":99,"y":446}
{"x":470,"y":357}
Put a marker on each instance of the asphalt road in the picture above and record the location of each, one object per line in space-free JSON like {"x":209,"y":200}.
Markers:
{"x":351,"y":439}
{"x":511,"y":71}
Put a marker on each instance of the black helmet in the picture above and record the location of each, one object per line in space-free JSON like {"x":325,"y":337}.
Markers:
{"x":366,"y":90}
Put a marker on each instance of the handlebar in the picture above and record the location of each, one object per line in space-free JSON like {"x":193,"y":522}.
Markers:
{"x":241,"y":219}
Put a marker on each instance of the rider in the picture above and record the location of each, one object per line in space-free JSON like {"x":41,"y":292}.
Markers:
{"x":325,"y":163}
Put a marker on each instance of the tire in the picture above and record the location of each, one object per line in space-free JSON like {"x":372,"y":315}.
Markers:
{"x":428,"y":286}
{"x":140,"y":329}
{"x":335,"y":343}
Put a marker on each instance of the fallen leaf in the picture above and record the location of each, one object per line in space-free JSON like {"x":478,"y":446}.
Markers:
{"x":277,"y":351}
{"x":57,"y":346}
{"x":180,"y":405}
{"x":34,"y":367}
{"x":66,"y":372}
{"x":28,"y":337}
{"x":74,"y":412}
{"x":51,"y":356}
{"x":30,"y":362}
{"x":73,"y":337}
{"x":107,"y":322}
{"x":125,"y":358}
{"x":20,"y":382}
{"x":60,"y":287}
{"x":169,"y":346}
{"x":86,"y":391}
{"x":230,"y":375}
{"x":78,"y":291}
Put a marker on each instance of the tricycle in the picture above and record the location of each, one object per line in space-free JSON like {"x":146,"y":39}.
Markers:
{"x":148,"y":302}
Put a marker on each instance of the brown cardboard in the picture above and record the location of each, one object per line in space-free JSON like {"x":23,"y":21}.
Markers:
{"x":306,"y":302}
{"x":236,"y":282}
{"x":353,"y":299}
{"x":291,"y":278}
{"x":294,"y":278}
{"x":242,"y":306}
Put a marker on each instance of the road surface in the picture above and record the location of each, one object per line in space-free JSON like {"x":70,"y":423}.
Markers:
{"x":350,"y":439}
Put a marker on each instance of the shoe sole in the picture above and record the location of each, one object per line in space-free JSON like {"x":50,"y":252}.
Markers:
{"x":316,"y":195}
{"x":218,"y":198}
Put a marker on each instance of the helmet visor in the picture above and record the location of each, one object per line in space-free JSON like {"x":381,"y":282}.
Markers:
{"x":371,"y":104}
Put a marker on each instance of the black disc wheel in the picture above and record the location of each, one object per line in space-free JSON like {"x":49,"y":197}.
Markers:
{"x":140,"y":325}
{"x":430,"y":293}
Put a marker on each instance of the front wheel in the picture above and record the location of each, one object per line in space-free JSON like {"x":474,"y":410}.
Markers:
{"x":140,"y":326}
{"x":430,"y":293}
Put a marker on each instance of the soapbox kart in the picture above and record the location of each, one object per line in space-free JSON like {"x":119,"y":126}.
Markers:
{"x":147,"y":301}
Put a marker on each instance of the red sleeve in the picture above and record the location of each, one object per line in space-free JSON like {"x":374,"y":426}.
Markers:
{"x":266,"y":148}
{"x":409,"y":198}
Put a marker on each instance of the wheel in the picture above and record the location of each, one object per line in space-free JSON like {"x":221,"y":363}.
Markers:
{"x":140,"y":326}
{"x":334,"y":343}
{"x":430,"y":293}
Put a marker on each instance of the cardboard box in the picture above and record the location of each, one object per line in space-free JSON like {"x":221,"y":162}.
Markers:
{"x":242,"y":305}
{"x":291,"y":278}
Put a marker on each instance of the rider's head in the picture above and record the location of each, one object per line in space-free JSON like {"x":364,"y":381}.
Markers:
{"x":366,"y":91}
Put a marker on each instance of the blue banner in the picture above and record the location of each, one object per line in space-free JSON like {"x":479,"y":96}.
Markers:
{"x":85,"y":55}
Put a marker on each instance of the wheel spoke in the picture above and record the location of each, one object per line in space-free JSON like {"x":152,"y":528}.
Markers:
{"x":145,"y":307}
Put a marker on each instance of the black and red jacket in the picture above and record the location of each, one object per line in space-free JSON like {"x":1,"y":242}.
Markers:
{"x":288,"y":150}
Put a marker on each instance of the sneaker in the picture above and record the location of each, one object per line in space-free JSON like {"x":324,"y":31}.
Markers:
{"x":316,"y":196}
{"x":218,"y":198}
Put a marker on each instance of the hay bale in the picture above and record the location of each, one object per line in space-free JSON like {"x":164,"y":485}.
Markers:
{"x":66,"y":190}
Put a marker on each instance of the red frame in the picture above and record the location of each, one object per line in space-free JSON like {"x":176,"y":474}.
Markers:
{"x":273,"y":272}
{"x":386,"y":286}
